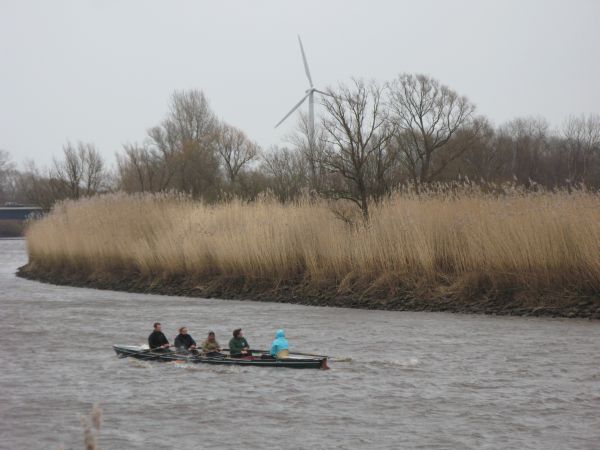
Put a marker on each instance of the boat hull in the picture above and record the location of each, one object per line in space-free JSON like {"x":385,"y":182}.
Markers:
{"x":293,"y":362}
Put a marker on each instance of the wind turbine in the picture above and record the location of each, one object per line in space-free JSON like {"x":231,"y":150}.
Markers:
{"x":310,"y":95}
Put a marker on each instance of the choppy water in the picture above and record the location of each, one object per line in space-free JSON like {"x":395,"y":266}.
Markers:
{"x":416,"y":380}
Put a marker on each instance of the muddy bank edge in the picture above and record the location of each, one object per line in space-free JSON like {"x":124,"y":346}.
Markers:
{"x":550,"y":304}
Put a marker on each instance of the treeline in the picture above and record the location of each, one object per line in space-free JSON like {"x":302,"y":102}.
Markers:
{"x":370,"y":140}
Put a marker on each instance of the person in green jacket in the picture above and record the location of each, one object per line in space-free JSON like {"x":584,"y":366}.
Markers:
{"x":238,"y":345}
{"x":210,"y":346}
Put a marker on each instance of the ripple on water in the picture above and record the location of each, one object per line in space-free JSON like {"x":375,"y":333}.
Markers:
{"x":139,"y":364}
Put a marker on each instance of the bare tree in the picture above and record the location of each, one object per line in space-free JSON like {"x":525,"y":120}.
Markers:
{"x":235,"y":150}
{"x":163,"y":148}
{"x":6,"y":164}
{"x":191,"y":116}
{"x":39,"y":187}
{"x":142,"y":169}
{"x":7,"y":176}
{"x":288,"y":172}
{"x":427,"y":115}
{"x":94,"y":171}
{"x":484,"y":159}
{"x":184,"y":143}
{"x":313,"y":152}
{"x":132,"y":168}
{"x":356,"y":131}
{"x":81,"y":170}
{"x":69,"y":170}
{"x":198,"y":170}
{"x":527,"y":139}
{"x":582,"y":145}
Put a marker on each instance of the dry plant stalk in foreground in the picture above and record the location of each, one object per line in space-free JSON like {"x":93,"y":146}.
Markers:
{"x":91,"y":428}
{"x":431,"y":245}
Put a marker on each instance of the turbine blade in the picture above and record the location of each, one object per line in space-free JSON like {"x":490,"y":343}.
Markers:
{"x":293,"y":109}
{"x":324,"y":93}
{"x":329,"y":95}
{"x":305,"y":62}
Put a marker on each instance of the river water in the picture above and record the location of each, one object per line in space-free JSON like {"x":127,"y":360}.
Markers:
{"x":415,"y":380}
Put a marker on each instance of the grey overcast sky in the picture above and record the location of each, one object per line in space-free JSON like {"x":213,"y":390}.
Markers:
{"x":102,"y":71}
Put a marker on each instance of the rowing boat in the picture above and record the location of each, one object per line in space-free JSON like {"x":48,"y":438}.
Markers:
{"x":259,"y":358}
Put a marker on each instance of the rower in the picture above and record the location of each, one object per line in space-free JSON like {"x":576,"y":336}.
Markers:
{"x":210,"y":346}
{"x":184,"y":341}
{"x":157,"y":340}
{"x":280,"y":346}
{"x":238,"y":345}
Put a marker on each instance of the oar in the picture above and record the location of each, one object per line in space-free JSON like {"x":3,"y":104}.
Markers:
{"x":169,"y":354}
{"x":150,"y":350}
{"x":267,"y":352}
{"x":309,"y":354}
{"x":295,"y":353}
{"x":330,"y":358}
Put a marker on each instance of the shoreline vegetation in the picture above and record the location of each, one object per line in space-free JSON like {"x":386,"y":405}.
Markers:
{"x":452,"y":248}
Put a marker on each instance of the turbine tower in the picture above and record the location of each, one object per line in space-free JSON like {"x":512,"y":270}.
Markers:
{"x":310,"y":95}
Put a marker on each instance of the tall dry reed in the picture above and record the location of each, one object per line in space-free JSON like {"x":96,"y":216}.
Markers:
{"x":463,"y":240}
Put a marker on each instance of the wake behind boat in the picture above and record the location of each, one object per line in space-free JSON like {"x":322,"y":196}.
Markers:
{"x":260,"y":358}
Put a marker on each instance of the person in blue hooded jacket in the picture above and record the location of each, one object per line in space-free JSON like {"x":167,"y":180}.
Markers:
{"x":280,"y":344}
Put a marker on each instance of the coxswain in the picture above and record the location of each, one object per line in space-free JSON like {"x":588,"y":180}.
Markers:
{"x":280,"y":346}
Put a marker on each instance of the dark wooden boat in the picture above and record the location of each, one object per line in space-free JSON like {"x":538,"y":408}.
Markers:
{"x":259,"y":358}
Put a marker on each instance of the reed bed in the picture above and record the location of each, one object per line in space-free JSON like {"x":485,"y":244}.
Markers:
{"x":464,"y":243}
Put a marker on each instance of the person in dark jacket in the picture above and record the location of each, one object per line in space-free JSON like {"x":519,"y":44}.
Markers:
{"x":184,"y":341}
{"x":157,"y":339}
{"x":238,"y":345}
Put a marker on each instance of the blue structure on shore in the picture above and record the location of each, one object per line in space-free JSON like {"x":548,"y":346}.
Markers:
{"x":20,"y":212}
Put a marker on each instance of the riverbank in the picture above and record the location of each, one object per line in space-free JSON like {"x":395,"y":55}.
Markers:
{"x":569,"y":304}
{"x":467,"y":251}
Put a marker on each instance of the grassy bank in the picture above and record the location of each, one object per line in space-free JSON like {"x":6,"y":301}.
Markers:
{"x":466,"y":251}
